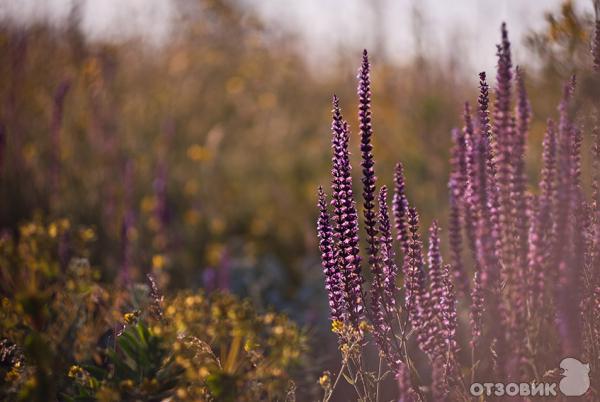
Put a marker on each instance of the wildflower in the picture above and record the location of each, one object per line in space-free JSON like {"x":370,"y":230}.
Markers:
{"x":131,"y":317}
{"x":156,"y":297}
{"x":368,"y":171}
{"x":337,"y":326}
{"x":333,"y":279}
{"x":519,"y":180}
{"x":439,"y":379}
{"x":346,"y":218}
{"x":541,"y":236}
{"x":437,"y":287}
{"x":503,"y":130}
{"x":400,"y":208}
{"x":325,"y":380}
{"x":477,"y":309}
{"x":158,"y":261}
{"x":405,"y":388}
{"x":52,"y":230}
{"x":413,"y":271}
{"x":471,"y":193}
{"x":383,"y":291}
{"x":596,"y":38}
{"x":457,"y":188}
{"x":364,"y":326}
{"x":448,"y":309}
{"x":390,"y":270}
{"x":74,"y":371}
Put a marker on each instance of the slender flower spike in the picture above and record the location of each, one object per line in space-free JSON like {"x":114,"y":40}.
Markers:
{"x":413,"y":271}
{"x":596,"y":38}
{"x":400,"y":209}
{"x":502,"y":111}
{"x":487,"y":228}
{"x":156,"y":298}
{"x":405,"y":388}
{"x":477,"y":310}
{"x":457,"y":188}
{"x":541,"y":236}
{"x":502,"y":147}
{"x":346,"y":218}
{"x":435,"y":267}
{"x":333,"y":279}
{"x":432,"y":336}
{"x":449,"y":315}
{"x":439,"y":379}
{"x":519,"y":180}
{"x":390,"y":270}
{"x":470,"y":198}
{"x":596,"y":166}
{"x":383,"y":291}
{"x":366,"y":148}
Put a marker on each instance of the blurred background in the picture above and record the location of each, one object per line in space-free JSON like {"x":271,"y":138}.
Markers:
{"x":192,"y":134}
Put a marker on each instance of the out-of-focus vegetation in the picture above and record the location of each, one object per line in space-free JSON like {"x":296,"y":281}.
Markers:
{"x":65,"y":334}
{"x":197,"y":161}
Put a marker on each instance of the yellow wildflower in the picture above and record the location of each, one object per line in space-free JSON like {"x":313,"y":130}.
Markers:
{"x":325,"y":380}
{"x":131,"y":317}
{"x":337,"y":326}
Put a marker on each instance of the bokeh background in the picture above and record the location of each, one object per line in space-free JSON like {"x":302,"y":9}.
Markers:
{"x":191,"y":135}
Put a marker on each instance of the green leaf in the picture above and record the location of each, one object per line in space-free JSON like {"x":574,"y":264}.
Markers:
{"x":128,"y":345}
{"x":122,"y":370}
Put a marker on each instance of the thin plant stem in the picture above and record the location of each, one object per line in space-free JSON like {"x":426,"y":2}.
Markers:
{"x":337,"y":379}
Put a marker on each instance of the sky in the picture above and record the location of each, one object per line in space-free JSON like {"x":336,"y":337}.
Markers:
{"x":326,"y":25}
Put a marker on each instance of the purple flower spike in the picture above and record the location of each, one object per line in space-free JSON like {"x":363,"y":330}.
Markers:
{"x":435,"y":266}
{"x":400,"y":208}
{"x":596,"y":166}
{"x":346,"y":217}
{"x":457,"y":186}
{"x":368,"y":163}
{"x":439,"y":379}
{"x":471,"y":200}
{"x":487,"y":202}
{"x":449,"y":314}
{"x":502,"y":109}
{"x":413,"y":270}
{"x":596,"y":38}
{"x":503,"y":131}
{"x":333,"y":279}
{"x":405,"y":388}
{"x":383,"y":292}
{"x":432,"y":338}
{"x":541,"y":236}
{"x":390,"y":270}
{"x":477,"y":310}
{"x":519,"y":179}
